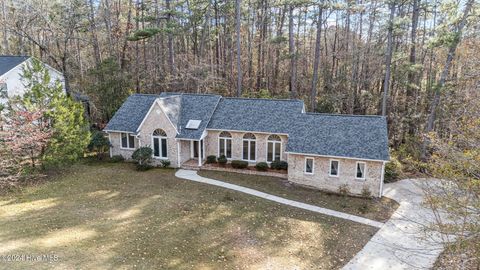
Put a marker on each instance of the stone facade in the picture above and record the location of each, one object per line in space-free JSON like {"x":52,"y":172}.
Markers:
{"x":347,"y":171}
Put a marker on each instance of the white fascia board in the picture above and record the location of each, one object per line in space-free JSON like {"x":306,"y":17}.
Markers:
{"x":118,"y":131}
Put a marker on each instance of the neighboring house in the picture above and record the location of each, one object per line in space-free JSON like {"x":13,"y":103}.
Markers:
{"x":11,"y":69}
{"x":325,"y":151}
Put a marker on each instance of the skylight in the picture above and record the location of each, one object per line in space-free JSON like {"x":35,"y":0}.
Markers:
{"x":193,"y":124}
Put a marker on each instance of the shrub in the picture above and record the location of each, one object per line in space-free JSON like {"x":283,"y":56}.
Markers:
{"x":211,"y":159}
{"x":222,"y":160}
{"x":117,"y":158}
{"x":279,"y":165}
{"x":99,"y":143}
{"x":344,"y":189}
{"x":143,"y":157}
{"x":239,"y":164}
{"x":261,"y":166}
{"x":392,"y":171}
{"x":366,"y":192}
{"x":143,"y":167}
{"x":165,"y":163}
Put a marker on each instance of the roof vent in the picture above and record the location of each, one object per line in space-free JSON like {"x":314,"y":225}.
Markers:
{"x":193,"y":124}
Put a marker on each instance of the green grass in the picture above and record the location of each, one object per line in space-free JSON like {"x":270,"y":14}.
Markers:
{"x":108,"y":216}
{"x":376,"y":209}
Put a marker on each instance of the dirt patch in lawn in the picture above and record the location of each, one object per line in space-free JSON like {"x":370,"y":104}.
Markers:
{"x":376,"y":209}
{"x":108,"y":216}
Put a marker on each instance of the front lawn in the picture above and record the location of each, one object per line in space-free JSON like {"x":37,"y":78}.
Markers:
{"x":375,"y":209}
{"x":108,"y":216}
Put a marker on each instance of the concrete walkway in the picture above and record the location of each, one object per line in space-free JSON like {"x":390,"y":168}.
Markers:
{"x":193,"y":176}
{"x":402,"y":242}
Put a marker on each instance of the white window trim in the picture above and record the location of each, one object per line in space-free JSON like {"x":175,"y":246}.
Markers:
{"x":273,"y":153}
{"x":305,"y":166}
{"x":160,"y":146}
{"x":249,"y":154}
{"x":330,"y":168}
{"x":225,"y":146}
{"x":364,"y":170}
{"x":128,"y":141}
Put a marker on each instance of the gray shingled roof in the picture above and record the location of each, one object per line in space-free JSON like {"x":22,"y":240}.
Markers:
{"x":363,"y":137}
{"x":131,"y":113}
{"x":354,"y":136}
{"x":262,"y":115}
{"x":195,"y":107}
{"x":8,"y":62}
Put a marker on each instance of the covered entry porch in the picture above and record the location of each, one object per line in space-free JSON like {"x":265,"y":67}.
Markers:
{"x":192,"y":153}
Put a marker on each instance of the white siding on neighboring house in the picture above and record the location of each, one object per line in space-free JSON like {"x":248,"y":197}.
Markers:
{"x":15,"y":84}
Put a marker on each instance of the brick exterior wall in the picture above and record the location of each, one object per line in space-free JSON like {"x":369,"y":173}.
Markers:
{"x":347,"y":169}
{"x":211,"y":145}
{"x":116,"y":149}
{"x":156,"y":119}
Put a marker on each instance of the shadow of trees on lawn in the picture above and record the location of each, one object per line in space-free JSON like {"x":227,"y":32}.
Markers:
{"x":111,"y":217}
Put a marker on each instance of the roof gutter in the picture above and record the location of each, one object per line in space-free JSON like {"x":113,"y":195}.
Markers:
{"x":329,"y":156}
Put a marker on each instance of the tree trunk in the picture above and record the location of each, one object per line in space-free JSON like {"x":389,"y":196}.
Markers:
{"x":239,"y":52}
{"x":316,"y":60}
{"x":388,"y":59}
{"x":293,"y":57}
{"x":171,"y":52}
{"x":123,"y":55}
{"x":443,"y":77}
{"x":5,"y":46}
{"x":93,"y":32}
{"x":412,"y":82}
{"x":277,"y":48}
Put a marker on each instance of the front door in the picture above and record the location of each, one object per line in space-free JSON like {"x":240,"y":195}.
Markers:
{"x":195,"y":148}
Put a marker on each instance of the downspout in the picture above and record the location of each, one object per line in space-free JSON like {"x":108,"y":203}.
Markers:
{"x":381,"y":180}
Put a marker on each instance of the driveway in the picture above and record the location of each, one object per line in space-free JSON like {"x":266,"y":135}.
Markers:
{"x":402,"y":242}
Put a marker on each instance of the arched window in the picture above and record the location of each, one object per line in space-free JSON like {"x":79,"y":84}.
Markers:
{"x":225,"y":144}
{"x":159,"y":132}
{"x":249,"y":147}
{"x":274,"y":148}
{"x":159,"y":138}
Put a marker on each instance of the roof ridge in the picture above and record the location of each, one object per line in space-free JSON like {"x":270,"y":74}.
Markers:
{"x":190,"y":94}
{"x":268,"y":99}
{"x":345,"y":115}
{"x":3,"y":55}
{"x":145,"y":94}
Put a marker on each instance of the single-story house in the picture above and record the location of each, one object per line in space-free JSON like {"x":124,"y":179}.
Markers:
{"x":325,"y":151}
{"x":11,"y":70}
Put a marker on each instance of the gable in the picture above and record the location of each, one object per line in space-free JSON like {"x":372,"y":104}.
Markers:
{"x":156,"y":118}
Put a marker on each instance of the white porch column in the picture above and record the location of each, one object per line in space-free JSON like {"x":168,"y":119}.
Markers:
{"x":199,"y":153}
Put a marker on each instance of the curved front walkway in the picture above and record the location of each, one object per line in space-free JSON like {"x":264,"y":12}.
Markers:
{"x":402,"y":243}
{"x":193,"y":176}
